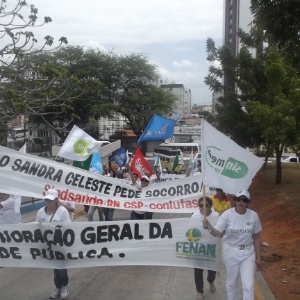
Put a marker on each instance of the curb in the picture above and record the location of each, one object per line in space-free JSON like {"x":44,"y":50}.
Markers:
{"x":261,"y":289}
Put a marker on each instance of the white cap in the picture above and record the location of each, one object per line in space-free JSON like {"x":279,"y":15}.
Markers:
{"x":51,"y":194}
{"x":242,"y":192}
{"x":146,"y":177}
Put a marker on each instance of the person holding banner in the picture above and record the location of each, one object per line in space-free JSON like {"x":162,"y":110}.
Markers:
{"x":54,"y":212}
{"x":198,"y":273}
{"x":138,"y":215}
{"x":241,"y":227}
{"x":10,"y":209}
{"x":109,"y":212}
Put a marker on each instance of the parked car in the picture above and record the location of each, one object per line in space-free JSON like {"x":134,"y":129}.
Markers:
{"x":294,"y":159}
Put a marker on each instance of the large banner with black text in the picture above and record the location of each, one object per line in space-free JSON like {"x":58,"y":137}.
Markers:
{"x":169,"y":242}
{"x":28,"y":175}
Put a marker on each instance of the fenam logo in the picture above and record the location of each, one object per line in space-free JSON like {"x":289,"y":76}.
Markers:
{"x":229,"y":167}
{"x":193,"y":235}
{"x":193,"y":248}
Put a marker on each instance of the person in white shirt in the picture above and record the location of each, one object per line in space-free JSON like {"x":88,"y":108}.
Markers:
{"x":53,"y":212}
{"x":198,"y":273}
{"x":10,"y":209}
{"x":241,"y":227}
{"x":70,"y":206}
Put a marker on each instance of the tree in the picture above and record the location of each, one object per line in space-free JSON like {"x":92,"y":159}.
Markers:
{"x":126,"y":87}
{"x":262,"y":90}
{"x":277,"y":23}
{"x":16,"y":71}
{"x":244,"y":82}
{"x":276,"y":114}
{"x":81,"y":93}
{"x":100,"y":84}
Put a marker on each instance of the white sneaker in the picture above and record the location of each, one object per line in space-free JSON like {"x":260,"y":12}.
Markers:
{"x":64,"y":292}
{"x":55,"y":294}
{"x":199,"y":296}
{"x":212,"y":288}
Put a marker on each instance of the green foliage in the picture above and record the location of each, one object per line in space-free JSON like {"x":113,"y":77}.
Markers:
{"x":244,"y":81}
{"x":278,"y":23}
{"x":276,"y":113}
{"x":26,"y":87}
{"x":259,"y":102}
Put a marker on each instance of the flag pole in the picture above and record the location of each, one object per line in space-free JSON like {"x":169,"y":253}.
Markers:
{"x":138,"y":143}
{"x":203,"y":172}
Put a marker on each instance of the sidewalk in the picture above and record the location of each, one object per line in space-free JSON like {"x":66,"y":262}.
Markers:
{"x":133,"y":282}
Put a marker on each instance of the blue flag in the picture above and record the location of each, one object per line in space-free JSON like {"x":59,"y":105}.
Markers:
{"x":159,"y":128}
{"x":120,"y":157}
{"x":96,"y":164}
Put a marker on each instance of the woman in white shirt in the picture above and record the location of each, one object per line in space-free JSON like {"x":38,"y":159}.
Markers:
{"x":241,"y":227}
{"x":53,"y":212}
{"x":198,"y":273}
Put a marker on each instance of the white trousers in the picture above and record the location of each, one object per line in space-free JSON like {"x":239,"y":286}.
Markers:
{"x":239,"y":263}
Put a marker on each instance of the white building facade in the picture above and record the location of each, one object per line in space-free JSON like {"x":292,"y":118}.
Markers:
{"x":184,"y":99}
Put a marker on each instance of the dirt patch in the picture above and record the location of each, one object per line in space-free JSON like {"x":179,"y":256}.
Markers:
{"x":278,"y":207}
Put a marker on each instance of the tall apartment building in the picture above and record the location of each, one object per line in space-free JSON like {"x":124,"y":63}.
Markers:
{"x":237,"y":15}
{"x":184,"y":102}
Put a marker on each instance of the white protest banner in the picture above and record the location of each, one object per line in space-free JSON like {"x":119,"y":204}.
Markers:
{"x":171,"y":242}
{"x":225,"y":164}
{"x":79,"y":145}
{"x":28,"y":175}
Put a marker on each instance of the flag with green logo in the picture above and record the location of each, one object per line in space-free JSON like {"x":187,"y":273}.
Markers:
{"x":79,"y":145}
{"x":225,"y":164}
{"x":175,"y":163}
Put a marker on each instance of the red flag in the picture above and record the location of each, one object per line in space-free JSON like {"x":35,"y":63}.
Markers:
{"x":139,"y":164}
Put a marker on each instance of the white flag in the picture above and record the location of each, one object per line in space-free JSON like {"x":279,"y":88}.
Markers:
{"x":79,"y":145}
{"x":224,"y":163}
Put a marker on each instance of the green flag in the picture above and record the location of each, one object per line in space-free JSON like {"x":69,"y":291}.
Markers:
{"x":85,"y":165}
{"x":175,"y":163}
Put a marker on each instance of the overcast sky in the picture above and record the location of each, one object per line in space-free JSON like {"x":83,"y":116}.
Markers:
{"x":171,"y":33}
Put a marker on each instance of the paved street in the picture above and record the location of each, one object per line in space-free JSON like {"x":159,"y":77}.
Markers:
{"x":118,"y":282}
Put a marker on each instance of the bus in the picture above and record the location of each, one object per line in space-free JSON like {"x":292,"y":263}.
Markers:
{"x":167,"y":157}
{"x":186,"y":148}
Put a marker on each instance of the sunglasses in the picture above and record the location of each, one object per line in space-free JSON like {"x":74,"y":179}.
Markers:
{"x":202,"y":205}
{"x":244,"y":199}
{"x":144,"y":180}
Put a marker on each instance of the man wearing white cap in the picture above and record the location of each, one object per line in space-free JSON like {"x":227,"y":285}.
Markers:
{"x":241,"y":227}
{"x":53,"y":212}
